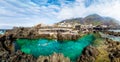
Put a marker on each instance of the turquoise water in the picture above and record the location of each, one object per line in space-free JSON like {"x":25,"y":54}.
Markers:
{"x":71,"y":49}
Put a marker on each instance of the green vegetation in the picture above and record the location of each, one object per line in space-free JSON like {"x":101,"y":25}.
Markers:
{"x":101,"y":47}
{"x":103,"y":55}
{"x":99,"y":40}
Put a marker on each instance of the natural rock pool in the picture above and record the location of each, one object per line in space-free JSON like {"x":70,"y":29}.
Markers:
{"x":45,"y":47}
{"x":114,"y":38}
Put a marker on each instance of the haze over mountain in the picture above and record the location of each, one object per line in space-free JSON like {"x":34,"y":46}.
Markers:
{"x":32,"y":12}
{"x":94,"y":19}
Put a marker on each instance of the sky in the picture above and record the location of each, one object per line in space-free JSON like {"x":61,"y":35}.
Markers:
{"x":31,"y":12}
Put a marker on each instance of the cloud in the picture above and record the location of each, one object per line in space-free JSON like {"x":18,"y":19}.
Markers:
{"x":104,"y":8}
{"x":31,"y":12}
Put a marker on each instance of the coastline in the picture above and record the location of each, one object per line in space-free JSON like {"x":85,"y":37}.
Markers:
{"x":90,"y":52}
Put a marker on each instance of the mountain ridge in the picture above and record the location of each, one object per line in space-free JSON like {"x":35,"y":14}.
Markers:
{"x":94,"y":19}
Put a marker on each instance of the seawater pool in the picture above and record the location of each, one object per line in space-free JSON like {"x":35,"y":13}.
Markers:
{"x":45,"y":47}
{"x":114,"y":38}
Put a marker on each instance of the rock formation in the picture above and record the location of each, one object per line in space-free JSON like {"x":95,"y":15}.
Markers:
{"x":33,"y":33}
{"x":108,"y":52}
{"x":113,"y":50}
{"x":53,"y":58}
{"x":112,"y":33}
{"x":15,"y":57}
{"x":22,"y":32}
{"x":88,"y":55}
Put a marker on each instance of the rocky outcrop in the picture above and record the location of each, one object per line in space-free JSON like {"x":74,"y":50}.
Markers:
{"x":21,"y":57}
{"x":62,"y":37}
{"x":53,"y":58}
{"x":7,"y":50}
{"x":33,"y":33}
{"x":8,"y":53}
{"x":16,"y":57}
{"x":6,"y":42}
{"x":89,"y":54}
{"x":112,"y":33}
{"x":113,"y":50}
{"x":108,"y":52}
{"x":22,"y":32}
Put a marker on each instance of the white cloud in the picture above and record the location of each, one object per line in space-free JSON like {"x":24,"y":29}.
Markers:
{"x":27,"y":13}
{"x":104,"y":8}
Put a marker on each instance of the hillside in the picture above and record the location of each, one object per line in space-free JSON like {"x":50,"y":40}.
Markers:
{"x":94,"y":19}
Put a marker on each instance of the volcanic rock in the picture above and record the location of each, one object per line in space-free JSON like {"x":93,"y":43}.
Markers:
{"x":53,"y":58}
{"x":88,"y":55}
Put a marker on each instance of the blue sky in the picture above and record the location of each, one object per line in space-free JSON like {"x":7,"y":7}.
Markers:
{"x":32,"y":12}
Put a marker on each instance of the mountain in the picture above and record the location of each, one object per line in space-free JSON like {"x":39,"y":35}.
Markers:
{"x":94,"y":19}
{"x":76,"y":20}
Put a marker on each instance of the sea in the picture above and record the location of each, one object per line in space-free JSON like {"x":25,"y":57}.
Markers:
{"x":114,"y":38}
{"x":2,"y":31}
{"x":115,"y":30}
